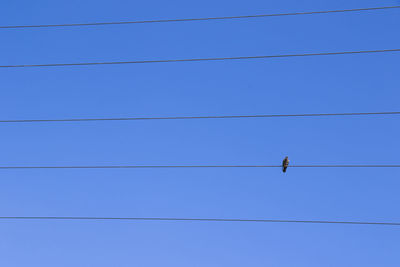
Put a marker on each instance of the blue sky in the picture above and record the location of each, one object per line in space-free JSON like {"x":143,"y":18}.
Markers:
{"x":353,"y":83}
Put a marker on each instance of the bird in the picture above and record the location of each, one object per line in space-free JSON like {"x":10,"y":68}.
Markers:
{"x":285,"y":164}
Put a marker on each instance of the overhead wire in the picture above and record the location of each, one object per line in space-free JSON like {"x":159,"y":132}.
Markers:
{"x":201,"y":117}
{"x":202,"y":59}
{"x":201,"y":166}
{"x":204,"y":117}
{"x":197,"y":19}
{"x":197,"y":220}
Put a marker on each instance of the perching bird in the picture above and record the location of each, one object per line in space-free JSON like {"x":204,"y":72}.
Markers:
{"x":285,"y":164}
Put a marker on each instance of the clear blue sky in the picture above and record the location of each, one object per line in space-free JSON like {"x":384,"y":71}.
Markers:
{"x":354,"y":83}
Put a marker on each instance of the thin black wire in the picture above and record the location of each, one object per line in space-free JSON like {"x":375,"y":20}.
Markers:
{"x":197,"y":19}
{"x":201,"y":166}
{"x":202,"y":59}
{"x":206,"y":117}
{"x":201,"y":220}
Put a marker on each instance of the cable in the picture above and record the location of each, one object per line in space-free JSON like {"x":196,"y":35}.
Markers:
{"x":197,"y":19}
{"x":202,"y":59}
{"x":198,"y":166}
{"x":206,"y":117}
{"x":202,"y":220}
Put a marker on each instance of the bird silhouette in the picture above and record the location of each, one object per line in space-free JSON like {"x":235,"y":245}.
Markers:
{"x":285,"y":164}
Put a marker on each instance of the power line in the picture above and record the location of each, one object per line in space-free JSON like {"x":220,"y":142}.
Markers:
{"x":197,"y":19}
{"x":201,"y":220}
{"x":201,"y":166}
{"x":202,"y":59}
{"x":206,"y":117}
